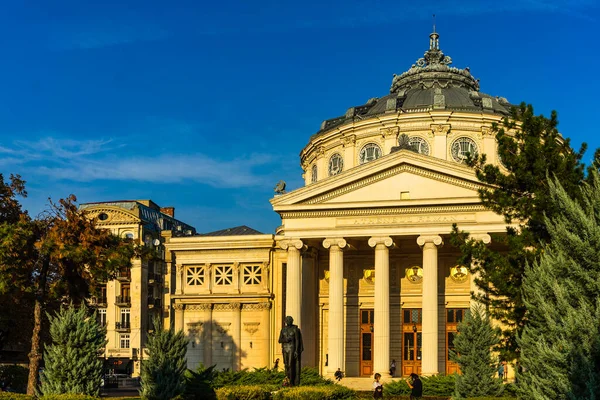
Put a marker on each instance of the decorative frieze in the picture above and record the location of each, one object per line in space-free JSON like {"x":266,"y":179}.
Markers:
{"x":266,"y":305}
{"x":227,"y":307}
{"x":198,"y":307}
{"x":179,"y":306}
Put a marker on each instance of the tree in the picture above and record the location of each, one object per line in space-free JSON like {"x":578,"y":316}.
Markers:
{"x":163,"y":374}
{"x":560,"y":344}
{"x":473,"y":353}
{"x":72,"y":364}
{"x":58,"y":257}
{"x":529,"y":146}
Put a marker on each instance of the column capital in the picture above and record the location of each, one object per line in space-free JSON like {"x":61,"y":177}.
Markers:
{"x":435,"y":239}
{"x":179,"y":306}
{"x":339,"y":242}
{"x":483,"y":237}
{"x":385,"y":240}
{"x":291,"y":243}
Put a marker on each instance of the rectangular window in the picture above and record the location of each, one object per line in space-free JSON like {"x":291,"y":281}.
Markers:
{"x":252,"y":274}
{"x":102,"y":316}
{"x":194,"y":276}
{"x":125,"y":317}
{"x":223,"y":275}
{"x":124,"y":341}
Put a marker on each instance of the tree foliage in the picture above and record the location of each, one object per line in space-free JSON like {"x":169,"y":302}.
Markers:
{"x":57,"y":257}
{"x":72,"y":364}
{"x":163,"y":373}
{"x":529,"y":146}
{"x":560,"y":343}
{"x":473,"y":353}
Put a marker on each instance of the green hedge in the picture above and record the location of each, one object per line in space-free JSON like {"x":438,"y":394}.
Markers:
{"x":328,"y":392}
{"x":254,"y":392}
{"x":68,"y":396}
{"x":491,"y":398}
{"x":15,"y":396}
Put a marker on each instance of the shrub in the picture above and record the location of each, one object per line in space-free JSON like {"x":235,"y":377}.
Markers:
{"x":253,"y":392}
{"x":263,"y":376}
{"x":198,"y":384}
{"x":15,"y":377}
{"x":15,"y":396}
{"x":323,"y":392}
{"x":67,"y":396}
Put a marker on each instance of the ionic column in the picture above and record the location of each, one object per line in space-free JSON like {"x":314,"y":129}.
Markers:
{"x":309,"y":308}
{"x":430,"y":343}
{"x":293,"y":282}
{"x":236,"y":332}
{"x":207,"y":333}
{"x":336,"y":304}
{"x":476,"y":290}
{"x":178,"y":316}
{"x":381,"y":328}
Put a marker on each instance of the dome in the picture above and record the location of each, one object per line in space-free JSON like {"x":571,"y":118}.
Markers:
{"x":429,"y":84}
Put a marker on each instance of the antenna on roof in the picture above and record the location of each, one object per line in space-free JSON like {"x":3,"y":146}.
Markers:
{"x":433,"y":23}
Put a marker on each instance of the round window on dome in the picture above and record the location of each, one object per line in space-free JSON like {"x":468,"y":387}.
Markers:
{"x":419,"y":144}
{"x":103,"y":216}
{"x":462,"y":147}
{"x":313,"y":174}
{"x":369,"y":152}
{"x":336,"y":164}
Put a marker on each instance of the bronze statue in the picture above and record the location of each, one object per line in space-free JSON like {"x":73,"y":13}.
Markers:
{"x":292,"y":348}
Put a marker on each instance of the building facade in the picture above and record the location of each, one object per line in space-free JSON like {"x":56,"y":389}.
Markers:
{"x":128,"y":305}
{"x":360,"y":260}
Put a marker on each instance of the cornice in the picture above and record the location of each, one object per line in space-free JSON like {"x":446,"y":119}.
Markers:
{"x":117,"y":215}
{"x":382,"y":211}
{"x":245,"y":242}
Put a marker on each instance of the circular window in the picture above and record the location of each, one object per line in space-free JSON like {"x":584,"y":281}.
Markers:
{"x":419,"y":144}
{"x":462,"y":147}
{"x":336,"y":164}
{"x":368,"y":153}
{"x":313,"y":174}
{"x":103,"y":216}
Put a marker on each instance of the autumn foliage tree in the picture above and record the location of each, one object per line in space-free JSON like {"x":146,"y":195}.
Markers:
{"x":58,"y":257}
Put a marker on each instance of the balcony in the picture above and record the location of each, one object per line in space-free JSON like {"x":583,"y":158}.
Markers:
{"x":123,"y":301}
{"x":154,"y":302}
{"x":124,"y":275}
{"x":122,"y":326}
{"x":154,"y":278}
{"x":98,"y":302}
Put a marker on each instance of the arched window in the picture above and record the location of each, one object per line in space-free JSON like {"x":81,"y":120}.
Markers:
{"x":461,"y":147}
{"x":313,"y":174}
{"x":369,"y":152}
{"x":336,"y":164}
{"x":419,"y":144}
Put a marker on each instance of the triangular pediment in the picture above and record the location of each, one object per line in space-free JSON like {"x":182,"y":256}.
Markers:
{"x":400,"y":178}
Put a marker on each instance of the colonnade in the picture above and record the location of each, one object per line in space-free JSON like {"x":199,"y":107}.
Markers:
{"x":381,"y":326}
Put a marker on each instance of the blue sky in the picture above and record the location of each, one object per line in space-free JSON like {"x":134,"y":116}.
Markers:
{"x":205,"y":106}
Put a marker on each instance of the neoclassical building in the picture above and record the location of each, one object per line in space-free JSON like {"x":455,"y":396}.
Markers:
{"x":359,"y":260}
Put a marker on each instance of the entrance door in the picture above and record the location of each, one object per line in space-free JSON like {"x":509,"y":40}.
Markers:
{"x":453,"y":317}
{"x":411,"y":341}
{"x":366,"y":342}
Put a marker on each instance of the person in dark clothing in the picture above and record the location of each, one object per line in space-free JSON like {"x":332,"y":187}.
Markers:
{"x":338,"y":375}
{"x":416,"y":385}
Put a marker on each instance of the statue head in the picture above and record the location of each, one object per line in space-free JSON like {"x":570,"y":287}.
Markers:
{"x":289,"y":320}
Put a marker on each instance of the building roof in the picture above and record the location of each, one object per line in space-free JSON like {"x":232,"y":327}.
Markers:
{"x":235,"y":231}
{"x":430,"y":84}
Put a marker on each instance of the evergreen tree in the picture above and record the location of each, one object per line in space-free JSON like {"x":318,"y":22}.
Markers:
{"x":473,"y":353}
{"x":72,"y":362}
{"x":529,"y":146}
{"x":163,"y":373}
{"x":560,"y":345}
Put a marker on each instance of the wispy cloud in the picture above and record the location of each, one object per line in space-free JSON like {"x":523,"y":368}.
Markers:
{"x":95,"y":160}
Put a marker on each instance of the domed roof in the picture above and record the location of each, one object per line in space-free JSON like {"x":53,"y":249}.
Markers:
{"x":430,"y":84}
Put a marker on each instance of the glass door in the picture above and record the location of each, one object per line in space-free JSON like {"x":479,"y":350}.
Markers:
{"x":366,"y":342}
{"x":411,"y":341}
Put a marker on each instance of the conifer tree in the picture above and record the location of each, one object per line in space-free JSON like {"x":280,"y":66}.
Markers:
{"x":163,"y":373}
{"x":529,"y":146}
{"x":560,"y":345}
{"x":72,"y":364}
{"x":473,"y":353}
